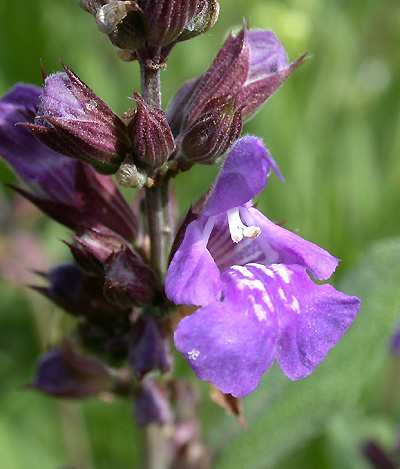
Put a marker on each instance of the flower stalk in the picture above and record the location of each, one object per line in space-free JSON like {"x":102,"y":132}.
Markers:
{"x":246,"y":284}
{"x":158,"y":438}
{"x":157,"y":197}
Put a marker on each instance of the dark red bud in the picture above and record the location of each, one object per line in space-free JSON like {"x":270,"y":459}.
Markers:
{"x":166,"y":19}
{"x":129,"y":280}
{"x":204,"y":19}
{"x":153,"y":142}
{"x":73,"y":121}
{"x":150,"y":28}
{"x":92,"y":248}
{"x":215,"y":131}
{"x":226,"y":76}
{"x":77,"y":293}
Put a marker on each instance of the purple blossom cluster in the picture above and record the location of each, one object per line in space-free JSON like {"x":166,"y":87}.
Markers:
{"x":259,"y":289}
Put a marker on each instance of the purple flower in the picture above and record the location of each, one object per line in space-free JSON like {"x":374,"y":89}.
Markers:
{"x":67,"y":190}
{"x":251,"y":278}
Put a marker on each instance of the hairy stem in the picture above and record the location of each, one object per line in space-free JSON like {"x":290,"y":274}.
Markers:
{"x":156,"y":207}
{"x":157,"y":198}
{"x":159,"y":444}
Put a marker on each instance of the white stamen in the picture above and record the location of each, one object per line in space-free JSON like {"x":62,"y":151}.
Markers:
{"x":194,"y":354}
{"x":238,"y":229}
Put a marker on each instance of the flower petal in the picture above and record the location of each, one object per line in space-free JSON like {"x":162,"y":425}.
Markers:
{"x":244,"y":175}
{"x":267,"y":54}
{"x":227,"y":345}
{"x":193,"y":277}
{"x":312,"y":317}
{"x":48,"y":172}
{"x":283,"y":246}
{"x":259,"y":90}
{"x":176,"y":107}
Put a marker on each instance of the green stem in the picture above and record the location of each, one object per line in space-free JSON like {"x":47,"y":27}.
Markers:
{"x":159,"y":444}
{"x":157,"y":198}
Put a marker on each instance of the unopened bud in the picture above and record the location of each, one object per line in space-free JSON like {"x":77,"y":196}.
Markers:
{"x":75,"y":122}
{"x":204,"y":19}
{"x":152,"y":25}
{"x":63,"y":372}
{"x":153,"y":142}
{"x":92,"y":248}
{"x":129,"y":280}
{"x":122,"y":21}
{"x":214,"y":132}
{"x":77,"y":293}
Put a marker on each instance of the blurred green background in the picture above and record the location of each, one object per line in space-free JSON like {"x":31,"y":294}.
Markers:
{"x":334,"y":129}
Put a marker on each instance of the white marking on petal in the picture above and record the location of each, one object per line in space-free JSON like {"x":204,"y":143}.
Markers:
{"x":282,"y":294}
{"x":264,"y":269}
{"x":295,"y":306}
{"x":238,"y":229}
{"x":260,"y":312}
{"x":194,"y":354}
{"x":267,"y":300}
{"x":283,"y":272}
{"x":244,"y":271}
{"x":251,"y":284}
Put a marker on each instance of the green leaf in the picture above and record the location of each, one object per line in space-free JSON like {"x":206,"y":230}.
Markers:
{"x":284,"y":415}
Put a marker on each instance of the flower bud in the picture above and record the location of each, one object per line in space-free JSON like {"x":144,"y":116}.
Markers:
{"x":153,"y":142}
{"x":166,"y":20}
{"x":93,"y":247}
{"x":152,"y":27}
{"x":148,"y":348}
{"x":203,"y":20}
{"x":151,"y":405}
{"x":123,"y":22}
{"x":78,"y":294}
{"x":214,"y":132}
{"x":128,"y":279}
{"x":63,"y":372}
{"x":250,"y":67}
{"x":72,"y":120}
